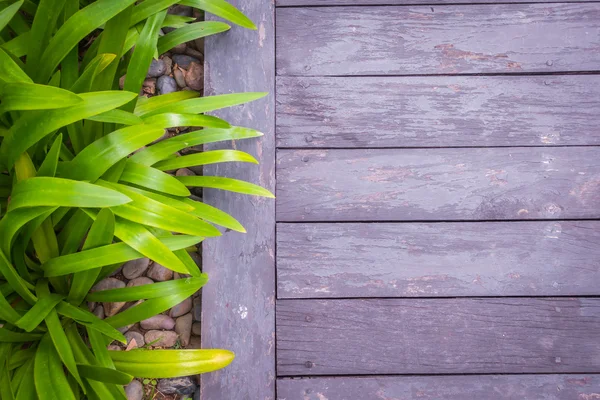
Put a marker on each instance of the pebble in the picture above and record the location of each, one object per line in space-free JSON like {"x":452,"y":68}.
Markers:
{"x":139,"y":338}
{"x":160,"y":338}
{"x":99,"y":312}
{"x":159,"y":273}
{"x":184,"y":385}
{"x":142,"y":280}
{"x":184,"y":172}
{"x":135,"y":390}
{"x":183,"y":327}
{"x":197,"y":328}
{"x":182,"y":308}
{"x":165,"y":84}
{"x":179,"y":76}
{"x":110,"y":309}
{"x":194,"y":53}
{"x":197,"y":309}
{"x":169,"y":64}
{"x":195,"y":343}
{"x":114,"y":347}
{"x":157,"y":68}
{"x":124,"y":329}
{"x":135,"y":268}
{"x":179,"y":49}
{"x":195,"y":76}
{"x":184,"y":61}
{"x":159,"y":321}
{"x":184,"y":11}
{"x":149,"y":86}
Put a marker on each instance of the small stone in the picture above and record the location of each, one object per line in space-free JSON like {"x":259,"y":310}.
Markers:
{"x":142,"y":280}
{"x":91,"y":306}
{"x":194,"y":53}
{"x":125,"y":329}
{"x":159,"y":273}
{"x":165,"y":84}
{"x":138,"y":337}
{"x":179,"y":49}
{"x":182,"y":308}
{"x":160,"y":338}
{"x":195,"y":76}
{"x":149,"y":86}
{"x":99,"y":312}
{"x":168,"y":64}
{"x":195,"y":343}
{"x":197,"y":328}
{"x":157,"y":68}
{"x":135,"y":268}
{"x":184,"y":385}
{"x":114,"y":347}
{"x":197,"y":309}
{"x":122,"y":82}
{"x":179,"y":75}
{"x":135,"y":390}
{"x":184,"y":61}
{"x":159,"y":321}
{"x":184,"y":172}
{"x":116,"y":271}
{"x":199,"y":44}
{"x":110,"y":309}
{"x":183,"y":327}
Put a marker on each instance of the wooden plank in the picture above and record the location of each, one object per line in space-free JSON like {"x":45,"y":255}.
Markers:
{"x":438,"y":184}
{"x":238,"y":304}
{"x":472,"y":387}
{"x":438,"y":111}
{"x":438,"y":336}
{"x":438,"y":259}
{"x":307,"y":3}
{"x":504,"y":38}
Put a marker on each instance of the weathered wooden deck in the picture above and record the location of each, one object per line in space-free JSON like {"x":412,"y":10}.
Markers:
{"x":437,"y":224}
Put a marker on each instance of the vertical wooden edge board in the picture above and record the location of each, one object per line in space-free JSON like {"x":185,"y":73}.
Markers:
{"x":451,"y":39}
{"x":308,"y":3}
{"x":527,"y":258}
{"x":471,"y":387}
{"x":438,"y":336}
{"x":238,"y":303}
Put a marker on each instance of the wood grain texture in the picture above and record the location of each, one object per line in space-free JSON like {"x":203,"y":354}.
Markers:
{"x":238,"y":303}
{"x":474,"y":387}
{"x":471,"y":111}
{"x":306,"y":3}
{"x":440,"y":259}
{"x":438,"y":184}
{"x":504,"y":38}
{"x":438,"y":336}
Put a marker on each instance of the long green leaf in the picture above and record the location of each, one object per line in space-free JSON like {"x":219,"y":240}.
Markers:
{"x":8,"y":13}
{"x":50,"y":380}
{"x":222,"y":9}
{"x":38,"y":312}
{"x":48,"y":167}
{"x":147,"y":8}
{"x":170,"y":120}
{"x":17,"y":283}
{"x":10,"y":72}
{"x":170,"y":363}
{"x":98,"y":157}
{"x":7,"y":336}
{"x":13,"y":221}
{"x":160,"y":151}
{"x":205,"y":158}
{"x":30,"y":96}
{"x":154,"y":179}
{"x":102,"y":374}
{"x":7,"y":313}
{"x":230,"y":184}
{"x":145,"y":292}
{"x":74,"y":30}
{"x":34,"y":125}
{"x":95,"y":67}
{"x":88,"y":319}
{"x":146,"y":105}
{"x":214,"y":215}
{"x":190,"y":32}
{"x":44,"y":191}
{"x":118,"y":117}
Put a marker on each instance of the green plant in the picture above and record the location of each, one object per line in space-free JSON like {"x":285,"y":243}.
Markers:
{"x":75,"y":203}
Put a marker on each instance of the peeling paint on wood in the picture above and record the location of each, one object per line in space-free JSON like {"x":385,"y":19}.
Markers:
{"x":439,"y":336}
{"x":470,"y":111}
{"x":438,"y":259}
{"x":438,"y":184}
{"x":475,"y":387}
{"x":503,"y":38}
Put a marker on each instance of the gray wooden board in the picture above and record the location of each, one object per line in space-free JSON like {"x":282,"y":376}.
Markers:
{"x":238,"y":303}
{"x":304,"y":3}
{"x":438,"y":259}
{"x":438,"y":184}
{"x":504,"y":38}
{"x":438,"y":336}
{"x":438,"y":111}
{"x":472,"y":387}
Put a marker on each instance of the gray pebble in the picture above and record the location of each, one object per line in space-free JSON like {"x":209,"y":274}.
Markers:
{"x":110,"y":309}
{"x":159,"y":273}
{"x":135,"y":390}
{"x":114,"y":347}
{"x":197,"y":309}
{"x":157,"y":68}
{"x":99,"y":312}
{"x":139,"y":338}
{"x":197,"y":328}
{"x":184,"y":385}
{"x":142,"y":280}
{"x":195,"y":343}
{"x":194,"y":53}
{"x":135,"y":268}
{"x":183,"y":327}
{"x":159,"y":321}
{"x":165,"y":84}
{"x":161,"y":338}
{"x":182,"y":308}
{"x":179,"y":49}
{"x":184,"y":61}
